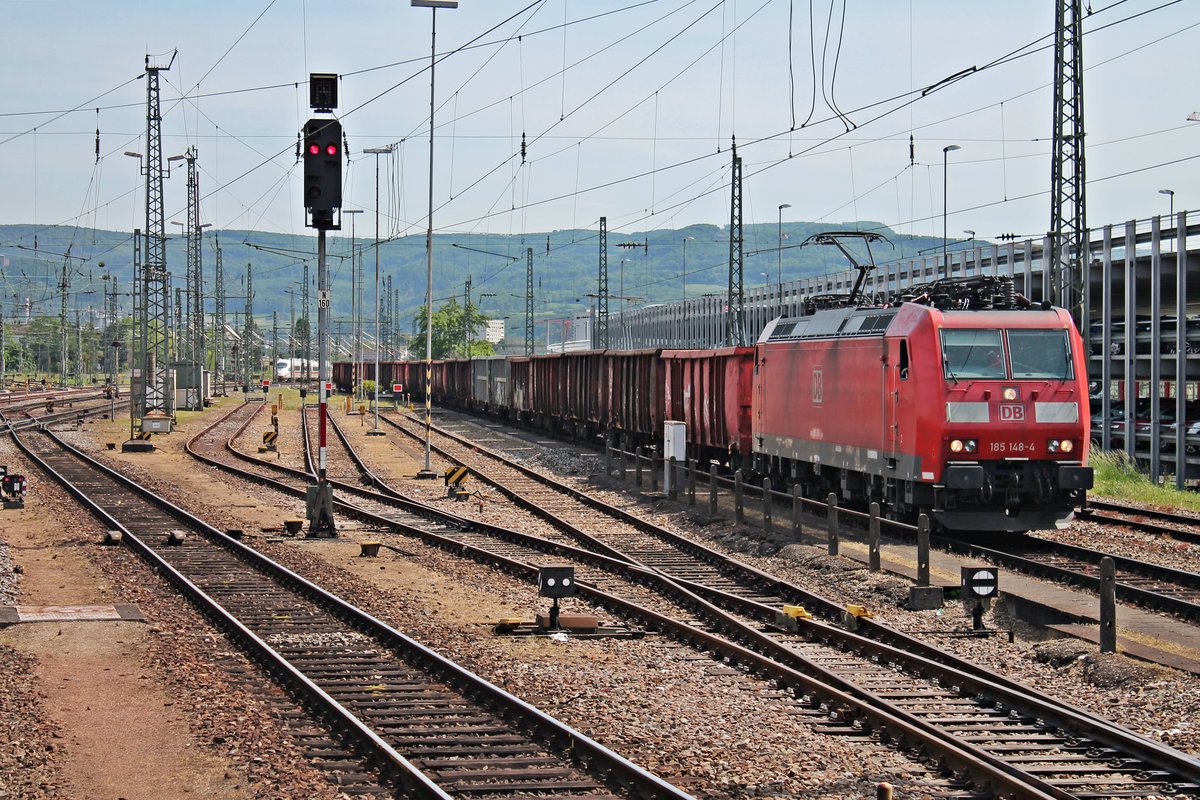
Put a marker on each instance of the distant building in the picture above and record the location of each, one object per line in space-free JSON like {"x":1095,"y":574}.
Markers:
{"x":494,"y":331}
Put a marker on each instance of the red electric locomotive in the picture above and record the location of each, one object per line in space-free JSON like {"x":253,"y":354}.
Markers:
{"x":978,"y":415}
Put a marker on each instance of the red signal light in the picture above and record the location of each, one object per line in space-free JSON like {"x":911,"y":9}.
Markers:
{"x":331,"y":149}
{"x":314,"y":149}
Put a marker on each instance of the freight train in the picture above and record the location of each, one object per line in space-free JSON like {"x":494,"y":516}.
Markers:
{"x":964,"y":402}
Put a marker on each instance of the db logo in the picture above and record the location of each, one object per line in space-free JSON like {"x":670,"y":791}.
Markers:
{"x":1012,"y":412}
{"x":818,"y":386}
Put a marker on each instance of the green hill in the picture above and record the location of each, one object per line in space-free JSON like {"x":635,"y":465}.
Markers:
{"x":647,"y":266}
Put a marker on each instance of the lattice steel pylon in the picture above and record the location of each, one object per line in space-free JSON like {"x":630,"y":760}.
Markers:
{"x":219,"y":325}
{"x":195,"y":341}
{"x":307,"y":329}
{"x":601,"y":321}
{"x":1068,"y":207}
{"x":137,"y":330}
{"x":529,"y":301}
{"x":154,"y":262}
{"x":735,"y":317}
{"x":248,"y":331}
{"x":64,"y":291}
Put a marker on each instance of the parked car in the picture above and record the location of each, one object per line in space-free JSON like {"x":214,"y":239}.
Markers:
{"x":1191,"y":442}
{"x":1144,"y":338}
{"x":1096,"y":339}
{"x":1168,"y":330}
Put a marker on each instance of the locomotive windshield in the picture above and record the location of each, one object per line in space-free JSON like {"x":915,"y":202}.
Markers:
{"x":969,"y":353}
{"x":1040,"y":354}
{"x":979,"y":354}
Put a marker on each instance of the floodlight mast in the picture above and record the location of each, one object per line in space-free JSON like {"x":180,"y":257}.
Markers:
{"x":377,"y":152}
{"x":427,"y":470}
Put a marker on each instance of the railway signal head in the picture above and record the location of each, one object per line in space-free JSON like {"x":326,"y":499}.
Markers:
{"x":322,"y":170}
{"x":981,"y":582}
{"x":12,"y":490}
{"x":556,"y":581}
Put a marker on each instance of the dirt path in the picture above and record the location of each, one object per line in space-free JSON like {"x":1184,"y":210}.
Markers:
{"x":114,"y":730}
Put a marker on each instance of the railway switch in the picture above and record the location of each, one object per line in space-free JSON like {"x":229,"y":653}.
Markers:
{"x":455,"y":479}
{"x":556,"y":581}
{"x":787,"y":618}
{"x":853,"y":614}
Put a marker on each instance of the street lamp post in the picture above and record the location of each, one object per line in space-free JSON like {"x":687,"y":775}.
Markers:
{"x":427,"y":471}
{"x":945,"y":194}
{"x":624,"y":302}
{"x":779,"y":247}
{"x":779,"y":255}
{"x":1170,"y":193}
{"x":686,"y":239}
{"x":355,"y":334}
{"x":970,"y":244}
{"x":377,"y":152}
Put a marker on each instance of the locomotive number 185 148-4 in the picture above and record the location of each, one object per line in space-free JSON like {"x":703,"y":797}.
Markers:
{"x":1012,"y":447}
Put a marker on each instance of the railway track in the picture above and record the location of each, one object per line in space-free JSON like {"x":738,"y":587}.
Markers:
{"x":1056,"y":749}
{"x":1142,"y":583}
{"x":1182,"y":527}
{"x":25,"y":418}
{"x":1139,"y":582}
{"x":17,"y":402}
{"x":428,"y":727}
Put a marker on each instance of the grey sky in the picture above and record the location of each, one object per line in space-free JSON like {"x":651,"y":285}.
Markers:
{"x":637,"y":127}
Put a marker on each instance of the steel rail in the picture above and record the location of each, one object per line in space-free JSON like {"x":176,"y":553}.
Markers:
{"x":551,"y":732}
{"x":928,"y":657}
{"x":801,"y":675}
{"x":1150,"y":522}
{"x":1031,"y":561}
{"x":412,"y":779}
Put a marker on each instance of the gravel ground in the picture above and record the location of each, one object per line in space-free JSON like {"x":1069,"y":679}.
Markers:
{"x":1120,"y":541}
{"x":10,"y":578}
{"x":29,"y":744}
{"x":708,"y":728}
{"x":230,"y":707}
{"x":233,"y":709}
{"x":696,"y":722}
{"x":1157,"y":702}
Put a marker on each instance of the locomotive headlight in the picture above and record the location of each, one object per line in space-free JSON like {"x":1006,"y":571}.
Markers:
{"x":963,"y":445}
{"x":1060,"y":446}
{"x":1010,"y":393}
